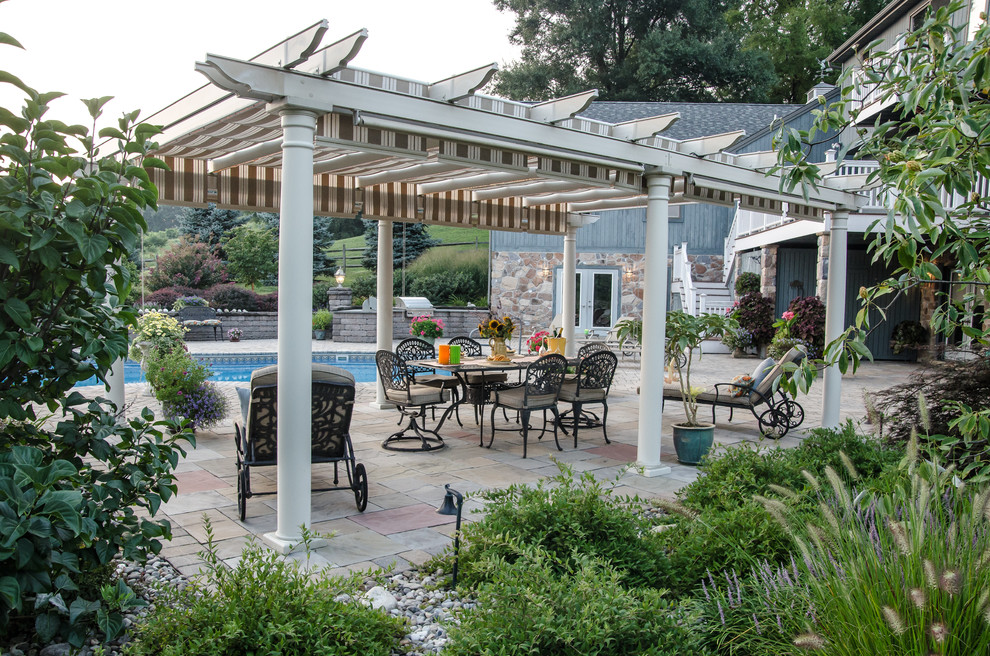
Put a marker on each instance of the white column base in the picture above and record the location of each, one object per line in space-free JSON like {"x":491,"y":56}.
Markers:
{"x":286,"y":546}
{"x":652,"y":471}
{"x":385,"y":405}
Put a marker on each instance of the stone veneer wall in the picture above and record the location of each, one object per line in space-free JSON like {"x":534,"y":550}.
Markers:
{"x":706,"y":268}
{"x":362,"y":325}
{"x":821,"y":289}
{"x":768,"y":271}
{"x":520,"y":288}
{"x":256,"y":325}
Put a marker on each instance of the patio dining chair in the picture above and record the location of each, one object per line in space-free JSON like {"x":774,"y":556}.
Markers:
{"x":414,"y":348}
{"x":538,"y":392}
{"x":256,"y":438}
{"x":478,"y":385}
{"x":591,"y":385}
{"x":412,"y":399}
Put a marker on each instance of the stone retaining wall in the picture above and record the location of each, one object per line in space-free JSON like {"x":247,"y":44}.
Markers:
{"x":256,"y":325}
{"x":362,"y":325}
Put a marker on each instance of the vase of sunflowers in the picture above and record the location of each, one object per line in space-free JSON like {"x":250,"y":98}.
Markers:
{"x":497,"y":331}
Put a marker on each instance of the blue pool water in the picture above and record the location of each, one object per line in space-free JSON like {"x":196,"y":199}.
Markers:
{"x":238,"y":368}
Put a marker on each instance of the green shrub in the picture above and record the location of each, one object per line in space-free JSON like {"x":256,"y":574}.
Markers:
{"x":747,"y":283}
{"x":734,"y":474}
{"x":189,"y":264}
{"x":320,"y":289}
{"x":579,"y":606}
{"x":322,"y":319}
{"x":721,"y":540}
{"x":569,"y":518}
{"x":266,"y":605}
{"x":80,"y":486}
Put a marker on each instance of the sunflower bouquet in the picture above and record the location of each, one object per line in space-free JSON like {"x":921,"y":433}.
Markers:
{"x":497,"y":328}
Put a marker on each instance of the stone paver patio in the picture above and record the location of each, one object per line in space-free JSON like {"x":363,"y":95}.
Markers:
{"x":400,"y":526}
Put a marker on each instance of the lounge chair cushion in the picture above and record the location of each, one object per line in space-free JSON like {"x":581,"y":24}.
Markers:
{"x":761,"y":372}
{"x":673,"y":393}
{"x":514,"y":398}
{"x":321,"y":373}
{"x":244,"y":395}
{"x":569,"y":392}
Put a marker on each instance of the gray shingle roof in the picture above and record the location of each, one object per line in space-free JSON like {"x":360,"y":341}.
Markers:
{"x":697,"y":119}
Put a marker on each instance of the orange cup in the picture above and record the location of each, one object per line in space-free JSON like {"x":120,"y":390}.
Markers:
{"x":444,"y":351}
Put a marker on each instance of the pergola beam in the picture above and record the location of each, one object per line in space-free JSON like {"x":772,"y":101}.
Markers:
{"x":523,"y":189}
{"x":575,"y":197}
{"x":560,"y":109}
{"x":246,"y":155}
{"x":709,"y":145}
{"x":461,"y":86}
{"x":335,"y":56}
{"x":474,"y":181}
{"x":408,"y":173}
{"x":644,"y":128}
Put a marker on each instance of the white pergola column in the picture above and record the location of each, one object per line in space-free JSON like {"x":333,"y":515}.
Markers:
{"x":384,"y":307}
{"x":654,"y":326}
{"x":115,"y":380}
{"x":567,"y":304}
{"x":835,"y":311}
{"x":295,"y":346}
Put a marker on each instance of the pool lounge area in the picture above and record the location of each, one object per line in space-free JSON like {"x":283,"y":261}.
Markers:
{"x":400,"y":524}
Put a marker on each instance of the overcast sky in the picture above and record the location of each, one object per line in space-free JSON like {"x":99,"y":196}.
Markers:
{"x":143,"y":52}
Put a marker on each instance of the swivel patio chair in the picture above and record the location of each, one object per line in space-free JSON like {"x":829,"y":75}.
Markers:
{"x":256,"y":438}
{"x":412,"y":400}
{"x":414,"y":348}
{"x":591,"y":385}
{"x":538,"y":392}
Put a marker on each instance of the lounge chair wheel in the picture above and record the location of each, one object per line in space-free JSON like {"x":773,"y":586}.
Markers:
{"x":242,"y":493}
{"x":774,"y":423}
{"x":360,"y":487}
{"x":795,"y":414}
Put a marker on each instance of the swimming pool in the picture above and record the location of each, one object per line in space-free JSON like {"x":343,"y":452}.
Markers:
{"x":238,"y":367}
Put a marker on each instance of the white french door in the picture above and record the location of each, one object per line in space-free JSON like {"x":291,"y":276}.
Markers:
{"x":596,"y":298}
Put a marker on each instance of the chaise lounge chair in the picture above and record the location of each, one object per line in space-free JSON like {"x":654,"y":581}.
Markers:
{"x":256,"y":438}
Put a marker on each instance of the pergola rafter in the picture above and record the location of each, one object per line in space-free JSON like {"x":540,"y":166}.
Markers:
{"x":299,"y":131}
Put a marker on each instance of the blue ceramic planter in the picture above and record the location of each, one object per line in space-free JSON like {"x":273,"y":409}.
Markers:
{"x":692,"y":443}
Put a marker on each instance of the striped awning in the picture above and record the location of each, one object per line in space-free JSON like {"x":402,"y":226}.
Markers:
{"x":440,"y":153}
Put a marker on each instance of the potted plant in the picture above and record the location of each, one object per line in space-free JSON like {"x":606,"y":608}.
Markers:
{"x":426,"y":328}
{"x":685,"y":333}
{"x":535,"y":343}
{"x":234,"y":334}
{"x":321,"y":321}
{"x":738,"y":341}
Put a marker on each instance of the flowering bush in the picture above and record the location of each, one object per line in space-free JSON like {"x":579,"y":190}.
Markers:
{"x":231,"y":297}
{"x":180,"y":383}
{"x":234,"y":333}
{"x":535,"y":342}
{"x":426,"y":326}
{"x":204,"y":406}
{"x":497,"y":328}
{"x":190,"y":264}
{"x":738,"y":339}
{"x":161,"y":330}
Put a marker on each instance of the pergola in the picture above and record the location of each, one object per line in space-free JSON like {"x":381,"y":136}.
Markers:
{"x":298,"y":131}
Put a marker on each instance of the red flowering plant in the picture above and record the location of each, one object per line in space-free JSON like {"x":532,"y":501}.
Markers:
{"x":426,"y":326}
{"x":535,"y":342}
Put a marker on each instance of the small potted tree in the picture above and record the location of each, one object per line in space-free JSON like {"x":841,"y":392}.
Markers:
{"x":685,"y":333}
{"x":321,"y":321}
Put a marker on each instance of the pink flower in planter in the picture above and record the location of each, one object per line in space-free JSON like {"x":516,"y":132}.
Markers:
{"x":788,"y":315}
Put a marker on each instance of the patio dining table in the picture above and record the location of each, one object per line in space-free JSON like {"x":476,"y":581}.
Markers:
{"x":476,"y":365}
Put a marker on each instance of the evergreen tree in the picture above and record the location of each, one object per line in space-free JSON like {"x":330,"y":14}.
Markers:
{"x":323,"y":264}
{"x":211,"y":226}
{"x":417,"y":241}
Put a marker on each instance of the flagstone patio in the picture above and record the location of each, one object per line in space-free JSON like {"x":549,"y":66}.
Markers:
{"x":400,"y":526}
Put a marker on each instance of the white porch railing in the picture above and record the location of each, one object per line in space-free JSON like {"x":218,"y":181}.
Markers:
{"x":729,"y":252}
{"x":682,"y":274}
{"x":714,"y":306}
